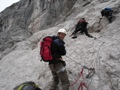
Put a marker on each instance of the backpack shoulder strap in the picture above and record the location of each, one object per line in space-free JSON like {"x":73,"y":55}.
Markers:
{"x":21,"y":86}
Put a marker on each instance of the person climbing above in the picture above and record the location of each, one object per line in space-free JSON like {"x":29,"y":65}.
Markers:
{"x":82,"y":27}
{"x":107,"y":12}
{"x":57,"y":65}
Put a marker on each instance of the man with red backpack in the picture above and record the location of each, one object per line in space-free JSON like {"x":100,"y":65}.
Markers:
{"x":82,"y":27}
{"x":51,"y":50}
{"x":57,"y":65}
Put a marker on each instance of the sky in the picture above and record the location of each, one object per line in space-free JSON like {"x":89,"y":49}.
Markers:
{"x":6,"y":3}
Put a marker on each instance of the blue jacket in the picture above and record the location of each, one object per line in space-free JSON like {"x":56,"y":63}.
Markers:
{"x":58,"y":49}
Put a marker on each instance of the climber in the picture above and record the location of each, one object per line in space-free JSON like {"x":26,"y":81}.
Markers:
{"x":107,"y":12}
{"x":82,"y":27}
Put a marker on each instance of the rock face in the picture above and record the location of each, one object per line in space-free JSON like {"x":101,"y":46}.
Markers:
{"x":24,"y":24}
{"x":22,"y":19}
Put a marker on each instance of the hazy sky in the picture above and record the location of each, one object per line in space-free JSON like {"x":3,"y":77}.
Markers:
{"x":6,"y":3}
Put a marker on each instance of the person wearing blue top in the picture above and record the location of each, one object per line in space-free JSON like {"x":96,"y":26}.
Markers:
{"x":107,"y":12}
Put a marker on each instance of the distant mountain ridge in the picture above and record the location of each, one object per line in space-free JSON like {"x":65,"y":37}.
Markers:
{"x":22,"y":19}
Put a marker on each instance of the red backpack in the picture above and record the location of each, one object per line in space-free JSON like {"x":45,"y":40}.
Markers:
{"x":45,"y":49}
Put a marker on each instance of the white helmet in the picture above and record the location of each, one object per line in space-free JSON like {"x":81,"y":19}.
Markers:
{"x":62,"y":30}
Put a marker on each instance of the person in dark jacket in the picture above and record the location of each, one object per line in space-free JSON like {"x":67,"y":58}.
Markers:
{"x":82,"y":27}
{"x":57,"y":65}
{"x":107,"y":12}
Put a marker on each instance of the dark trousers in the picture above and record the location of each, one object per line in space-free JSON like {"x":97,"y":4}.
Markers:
{"x":59,"y":73}
{"x":82,"y":30}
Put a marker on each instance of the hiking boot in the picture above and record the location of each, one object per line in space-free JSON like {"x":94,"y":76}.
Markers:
{"x":91,"y":36}
{"x":53,"y":86}
{"x":75,"y":36}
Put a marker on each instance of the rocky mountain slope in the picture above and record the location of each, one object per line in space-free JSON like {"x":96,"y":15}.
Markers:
{"x":24,"y":24}
{"x":22,"y":19}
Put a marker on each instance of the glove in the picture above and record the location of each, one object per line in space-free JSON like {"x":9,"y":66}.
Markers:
{"x":64,"y":63}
